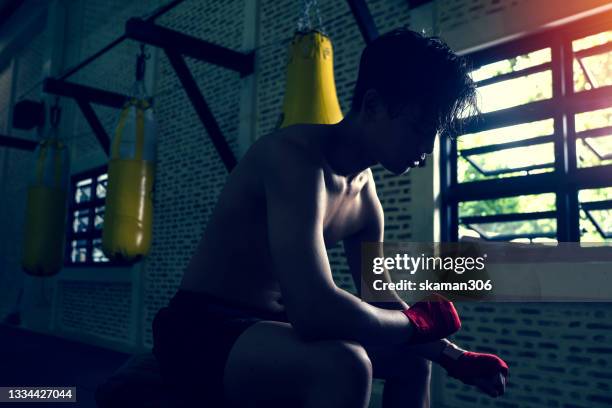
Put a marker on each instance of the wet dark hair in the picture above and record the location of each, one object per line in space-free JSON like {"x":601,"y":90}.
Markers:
{"x":405,"y":67}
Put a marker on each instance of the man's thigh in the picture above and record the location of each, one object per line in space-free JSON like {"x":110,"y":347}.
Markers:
{"x":264,"y":363}
{"x":270,"y":365}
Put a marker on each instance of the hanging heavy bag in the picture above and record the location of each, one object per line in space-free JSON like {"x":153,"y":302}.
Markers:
{"x":45,"y":221}
{"x":310,"y":93}
{"x":127,"y":229}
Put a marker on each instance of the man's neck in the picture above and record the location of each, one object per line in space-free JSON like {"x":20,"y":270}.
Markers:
{"x":345,"y":148}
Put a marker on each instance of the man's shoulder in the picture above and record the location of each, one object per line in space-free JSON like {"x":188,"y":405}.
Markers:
{"x":291,"y":174}
{"x":287,"y":151}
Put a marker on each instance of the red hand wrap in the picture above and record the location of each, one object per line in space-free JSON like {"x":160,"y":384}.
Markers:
{"x":471,"y":366}
{"x":432,"y":319}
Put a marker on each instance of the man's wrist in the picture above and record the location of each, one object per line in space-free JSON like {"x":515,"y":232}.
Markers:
{"x":451,"y":351}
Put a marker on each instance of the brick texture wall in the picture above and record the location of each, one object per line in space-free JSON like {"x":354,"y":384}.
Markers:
{"x":189,"y":172}
{"x":91,"y":26}
{"x":455,"y":13}
{"x":559,"y":353}
{"x":100,"y":309}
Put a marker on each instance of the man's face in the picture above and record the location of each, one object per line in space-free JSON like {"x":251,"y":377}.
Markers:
{"x":404,"y":139}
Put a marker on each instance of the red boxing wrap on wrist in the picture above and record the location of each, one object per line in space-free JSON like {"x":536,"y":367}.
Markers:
{"x":472,"y":366}
{"x":432,"y":319}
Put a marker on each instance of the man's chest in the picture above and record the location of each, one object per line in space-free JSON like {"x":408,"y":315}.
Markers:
{"x":345,"y":211}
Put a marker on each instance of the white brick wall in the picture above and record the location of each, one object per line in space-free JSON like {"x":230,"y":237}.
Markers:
{"x":189,"y":171}
{"x":566,"y":364}
{"x":100,"y":309}
{"x":559,"y":354}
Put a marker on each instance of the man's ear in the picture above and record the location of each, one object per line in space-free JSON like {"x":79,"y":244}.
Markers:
{"x":372,"y":106}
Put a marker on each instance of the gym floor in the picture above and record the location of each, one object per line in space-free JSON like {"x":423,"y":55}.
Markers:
{"x":42,"y":360}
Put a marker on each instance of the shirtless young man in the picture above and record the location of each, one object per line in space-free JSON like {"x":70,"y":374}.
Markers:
{"x":258,"y":320}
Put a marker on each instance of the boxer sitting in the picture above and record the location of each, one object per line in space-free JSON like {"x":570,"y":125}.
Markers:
{"x":258,"y":320}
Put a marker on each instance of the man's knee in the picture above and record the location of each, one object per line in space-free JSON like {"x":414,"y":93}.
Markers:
{"x":342,"y":375}
{"x":347,"y":361}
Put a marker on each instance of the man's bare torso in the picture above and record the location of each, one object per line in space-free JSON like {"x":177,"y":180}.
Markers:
{"x":232,"y":260}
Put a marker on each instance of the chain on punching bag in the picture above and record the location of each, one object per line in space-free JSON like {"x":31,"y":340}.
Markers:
{"x":128,"y":214}
{"x":44,"y":232}
{"x":310,"y":92}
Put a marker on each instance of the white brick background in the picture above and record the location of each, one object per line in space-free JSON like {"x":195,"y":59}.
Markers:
{"x":559,"y":354}
{"x":455,"y":13}
{"x":96,"y":308}
{"x":189,"y":171}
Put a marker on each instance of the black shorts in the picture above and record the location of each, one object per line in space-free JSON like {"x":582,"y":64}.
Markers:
{"x":192,"y":339}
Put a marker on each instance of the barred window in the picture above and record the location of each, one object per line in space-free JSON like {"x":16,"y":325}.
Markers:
{"x":86,"y":219}
{"x":537,"y":164}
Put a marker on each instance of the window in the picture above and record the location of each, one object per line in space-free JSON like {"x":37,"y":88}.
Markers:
{"x":86,"y":219}
{"x":537,"y":164}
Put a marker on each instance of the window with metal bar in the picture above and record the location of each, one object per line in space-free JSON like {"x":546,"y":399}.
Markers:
{"x":537,"y":163}
{"x":86,"y":219}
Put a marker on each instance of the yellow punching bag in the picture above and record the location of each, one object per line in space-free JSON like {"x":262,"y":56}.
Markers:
{"x":128,"y":215}
{"x":45,"y":223}
{"x":310,"y":93}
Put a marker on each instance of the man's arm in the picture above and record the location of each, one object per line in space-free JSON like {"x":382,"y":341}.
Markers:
{"x":295,"y":195}
{"x":372,"y":231}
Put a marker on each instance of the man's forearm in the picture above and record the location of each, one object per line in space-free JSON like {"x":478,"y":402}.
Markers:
{"x":395,"y":302}
{"x":345,"y":316}
{"x":397,"y":305}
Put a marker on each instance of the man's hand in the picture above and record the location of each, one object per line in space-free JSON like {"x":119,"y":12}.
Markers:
{"x":488,"y":372}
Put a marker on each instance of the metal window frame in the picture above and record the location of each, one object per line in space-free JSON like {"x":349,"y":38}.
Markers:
{"x":567,"y":179}
{"x":597,"y":206}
